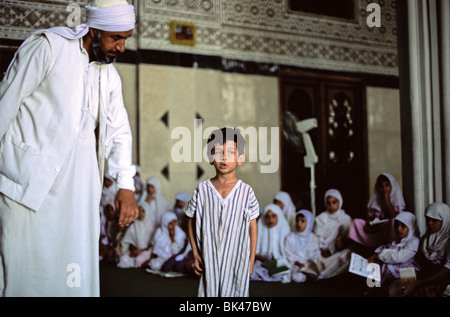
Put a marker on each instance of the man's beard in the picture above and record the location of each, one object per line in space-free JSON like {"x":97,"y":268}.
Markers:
{"x":100,"y":56}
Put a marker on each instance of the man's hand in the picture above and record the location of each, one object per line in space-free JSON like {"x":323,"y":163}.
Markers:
{"x":127,"y":207}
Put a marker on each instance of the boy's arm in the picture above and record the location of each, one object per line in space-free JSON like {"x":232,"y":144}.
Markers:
{"x":253,"y":240}
{"x":198,"y":262}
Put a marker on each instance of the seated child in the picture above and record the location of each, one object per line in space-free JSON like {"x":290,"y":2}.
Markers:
{"x":433,"y":257}
{"x":135,"y":243}
{"x":182,"y":262}
{"x":108,"y":234}
{"x":284,"y":200}
{"x":400,"y":252}
{"x":385,"y":203}
{"x":154,"y":200}
{"x":181,"y":199}
{"x":331,"y":228}
{"x":272,"y":231}
{"x":302,"y":248}
{"x":169,"y":240}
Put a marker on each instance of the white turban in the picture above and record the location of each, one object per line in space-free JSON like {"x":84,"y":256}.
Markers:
{"x":105,"y":15}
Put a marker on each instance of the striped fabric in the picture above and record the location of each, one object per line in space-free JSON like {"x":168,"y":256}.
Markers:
{"x":222,"y":235}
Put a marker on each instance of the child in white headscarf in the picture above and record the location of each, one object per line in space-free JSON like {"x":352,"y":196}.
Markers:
{"x":154,"y":198}
{"x":433,"y":257}
{"x":181,"y":199}
{"x":384,"y":205}
{"x":284,"y":200}
{"x":331,"y":228}
{"x":302,"y":248}
{"x":169,"y":240}
{"x":135,"y":244}
{"x":270,"y":254}
{"x":401,"y":251}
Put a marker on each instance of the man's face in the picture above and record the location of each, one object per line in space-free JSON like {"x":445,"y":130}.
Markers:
{"x":107,"y":45}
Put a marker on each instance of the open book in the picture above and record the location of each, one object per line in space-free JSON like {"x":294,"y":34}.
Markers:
{"x":360,"y":266}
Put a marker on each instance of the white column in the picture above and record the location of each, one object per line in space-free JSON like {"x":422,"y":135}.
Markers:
{"x":425,"y":113}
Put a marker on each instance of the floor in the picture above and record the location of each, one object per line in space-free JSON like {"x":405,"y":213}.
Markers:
{"x":117,"y":282}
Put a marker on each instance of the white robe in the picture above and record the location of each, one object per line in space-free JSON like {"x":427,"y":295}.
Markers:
{"x":50,"y":195}
{"x":328,"y":227}
{"x":223,"y":238}
{"x":303,"y":247}
{"x":163,"y":247}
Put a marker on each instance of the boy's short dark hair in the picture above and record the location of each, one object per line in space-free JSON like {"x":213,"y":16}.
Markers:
{"x":224,"y":135}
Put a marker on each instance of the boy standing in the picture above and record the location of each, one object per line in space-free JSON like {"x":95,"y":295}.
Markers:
{"x":222,"y":221}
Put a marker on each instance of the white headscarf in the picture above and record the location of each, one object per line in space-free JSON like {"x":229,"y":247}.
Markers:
{"x":397,"y":199}
{"x":288,"y":207}
{"x":160,"y":204}
{"x":162,"y":244}
{"x":271,"y":240}
{"x":108,"y":193}
{"x":327,"y":225}
{"x":305,"y":234}
{"x":105,"y":15}
{"x":140,"y":232}
{"x":183,"y":196}
{"x":409,"y":219}
{"x":303,"y":246}
{"x":434,"y":245}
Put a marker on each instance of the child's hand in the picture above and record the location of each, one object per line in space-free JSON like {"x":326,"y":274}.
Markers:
{"x":198,"y":265}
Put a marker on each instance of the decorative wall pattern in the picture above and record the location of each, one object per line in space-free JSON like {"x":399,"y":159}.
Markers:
{"x":259,"y":31}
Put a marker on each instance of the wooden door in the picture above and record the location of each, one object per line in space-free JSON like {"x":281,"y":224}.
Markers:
{"x":340,"y":140}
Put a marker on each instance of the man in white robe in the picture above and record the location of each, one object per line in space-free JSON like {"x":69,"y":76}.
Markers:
{"x":61,"y":117}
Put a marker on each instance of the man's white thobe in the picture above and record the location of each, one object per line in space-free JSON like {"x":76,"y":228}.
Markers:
{"x":52,"y":100}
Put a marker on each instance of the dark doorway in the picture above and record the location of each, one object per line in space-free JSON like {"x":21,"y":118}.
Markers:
{"x":340,"y":140}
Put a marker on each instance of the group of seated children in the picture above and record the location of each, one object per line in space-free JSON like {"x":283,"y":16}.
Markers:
{"x":156,"y":240}
{"x":298,"y":247}
{"x":293,"y":246}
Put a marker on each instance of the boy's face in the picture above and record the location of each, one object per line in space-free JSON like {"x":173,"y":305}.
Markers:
{"x":226,"y":157}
